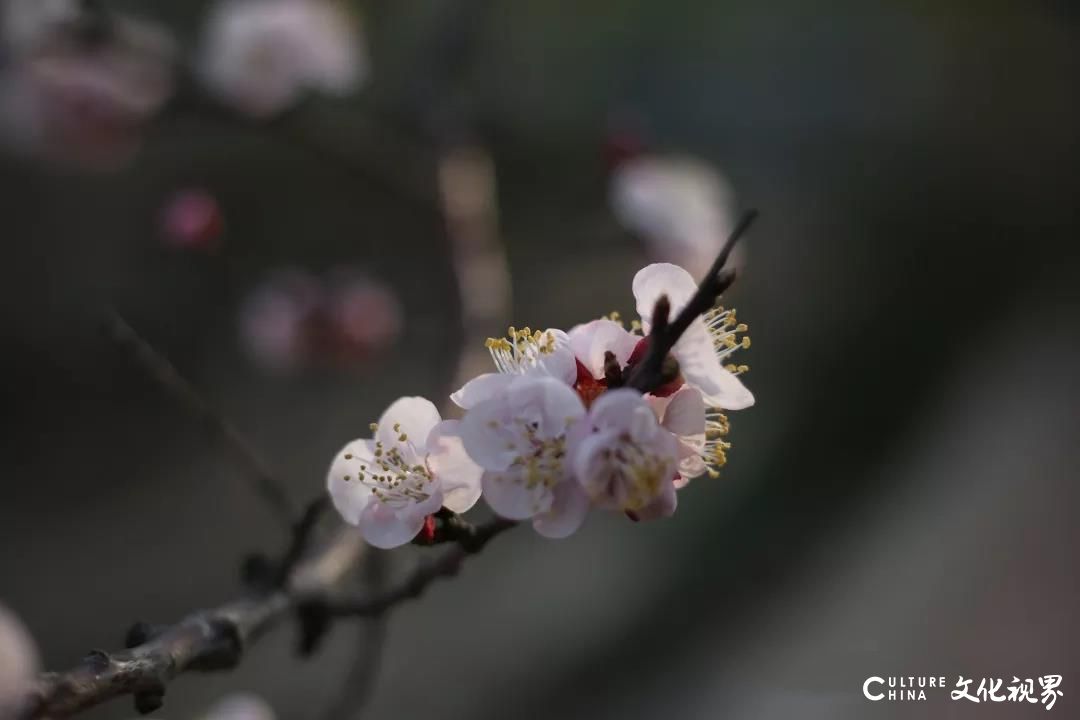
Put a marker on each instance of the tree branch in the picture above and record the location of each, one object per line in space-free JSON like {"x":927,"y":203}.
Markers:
{"x":648,"y":374}
{"x":216,"y":639}
{"x":263,"y":481}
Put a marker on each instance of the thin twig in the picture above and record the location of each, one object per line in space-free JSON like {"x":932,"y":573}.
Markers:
{"x":649,"y":374}
{"x":445,"y":566}
{"x":302,"y":534}
{"x":360,"y":680}
{"x":264,"y":483}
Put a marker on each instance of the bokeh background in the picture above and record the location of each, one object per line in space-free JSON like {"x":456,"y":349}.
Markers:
{"x":901,"y":500}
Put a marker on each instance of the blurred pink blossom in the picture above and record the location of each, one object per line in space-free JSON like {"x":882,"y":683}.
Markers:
{"x":191,"y":219}
{"x":261,"y":56}
{"x":366,"y":316}
{"x":295,"y":319}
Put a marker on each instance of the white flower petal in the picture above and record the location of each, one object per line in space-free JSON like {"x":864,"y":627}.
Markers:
{"x":384,"y":527}
{"x":625,"y":410}
{"x":488,"y":435}
{"x":454,"y":470}
{"x":691,"y":464}
{"x":350,"y":496}
{"x":702,"y":369}
{"x":685,"y":414}
{"x":551,"y":404}
{"x":591,"y":340}
{"x":511,"y":497}
{"x":594,"y":472}
{"x":413,"y":417}
{"x":480,"y":388}
{"x":559,"y":364}
{"x":569,"y":507}
{"x":659,"y":279}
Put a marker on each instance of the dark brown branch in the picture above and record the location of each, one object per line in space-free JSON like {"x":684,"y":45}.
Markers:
{"x":648,"y":374}
{"x":210,"y":640}
{"x":217,"y":639}
{"x":264,"y":483}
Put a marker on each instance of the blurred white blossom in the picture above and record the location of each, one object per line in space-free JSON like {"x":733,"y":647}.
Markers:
{"x":414,"y":465}
{"x":82,"y":98}
{"x":240,"y":706}
{"x":261,"y":56}
{"x":680,"y":206}
{"x":18,"y":662}
{"x":27,"y":24}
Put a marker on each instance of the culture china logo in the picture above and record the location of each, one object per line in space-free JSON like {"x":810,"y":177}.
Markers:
{"x":1045,"y":689}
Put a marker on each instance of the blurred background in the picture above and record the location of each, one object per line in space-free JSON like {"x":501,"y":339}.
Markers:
{"x":307,"y":247}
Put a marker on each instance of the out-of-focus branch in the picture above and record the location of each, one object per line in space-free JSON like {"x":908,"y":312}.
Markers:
{"x":263,"y":481}
{"x":467,"y":192}
{"x":360,"y":681}
{"x":217,"y":639}
{"x":649,"y":374}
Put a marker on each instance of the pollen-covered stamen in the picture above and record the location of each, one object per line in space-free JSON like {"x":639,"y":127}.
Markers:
{"x":520,"y":350}
{"x":714,"y":450}
{"x":396,"y":474}
{"x":725,"y":331}
{"x":541,"y":460}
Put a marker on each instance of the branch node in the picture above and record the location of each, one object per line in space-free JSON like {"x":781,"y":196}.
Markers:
{"x":227,"y":648}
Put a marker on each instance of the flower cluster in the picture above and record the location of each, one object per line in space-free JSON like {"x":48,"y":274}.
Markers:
{"x":554,"y":432}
